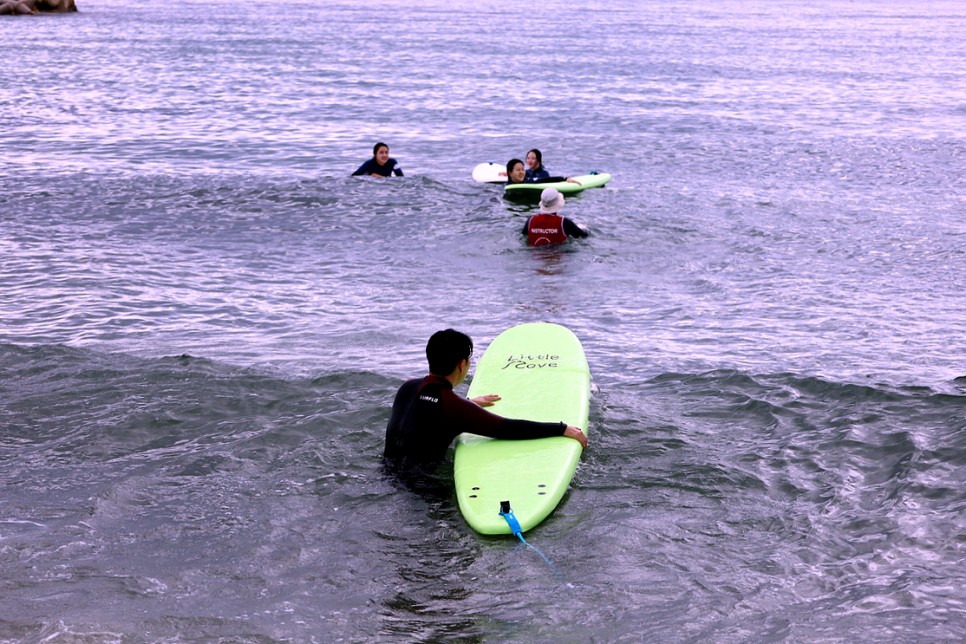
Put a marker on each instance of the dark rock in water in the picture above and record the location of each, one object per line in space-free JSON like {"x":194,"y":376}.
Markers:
{"x":33,"y":7}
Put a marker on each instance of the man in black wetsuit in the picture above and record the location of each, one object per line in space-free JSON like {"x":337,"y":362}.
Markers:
{"x":427,"y":415}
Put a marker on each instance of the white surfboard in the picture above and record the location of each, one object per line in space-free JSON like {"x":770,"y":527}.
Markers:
{"x":490,"y":173}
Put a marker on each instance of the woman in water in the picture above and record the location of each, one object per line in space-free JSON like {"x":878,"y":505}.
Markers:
{"x":535,"y":169}
{"x":517,"y":173}
{"x":380,"y":165}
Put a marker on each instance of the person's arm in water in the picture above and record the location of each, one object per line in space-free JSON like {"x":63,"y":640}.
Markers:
{"x":572,"y":229}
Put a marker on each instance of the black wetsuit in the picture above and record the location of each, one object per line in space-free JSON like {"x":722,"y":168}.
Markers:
{"x":427,"y":415}
{"x":386,"y":170}
{"x":538,"y":176}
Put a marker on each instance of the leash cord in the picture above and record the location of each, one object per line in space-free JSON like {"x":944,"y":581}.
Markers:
{"x":517,"y":531}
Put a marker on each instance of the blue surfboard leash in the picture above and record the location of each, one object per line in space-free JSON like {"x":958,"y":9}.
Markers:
{"x":517,"y":531}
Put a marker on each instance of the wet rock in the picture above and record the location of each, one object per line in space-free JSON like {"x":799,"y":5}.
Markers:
{"x":33,"y":7}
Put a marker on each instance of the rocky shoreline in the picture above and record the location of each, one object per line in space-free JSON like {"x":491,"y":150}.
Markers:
{"x":34,"y":7}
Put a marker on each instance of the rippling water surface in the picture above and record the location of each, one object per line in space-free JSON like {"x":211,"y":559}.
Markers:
{"x":203,"y":319}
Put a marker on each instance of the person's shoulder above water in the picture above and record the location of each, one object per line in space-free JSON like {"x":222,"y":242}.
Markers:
{"x":535,"y":176}
{"x":549,"y":226}
{"x":380,"y":165}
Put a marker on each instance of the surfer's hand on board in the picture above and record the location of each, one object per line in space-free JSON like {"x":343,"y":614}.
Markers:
{"x":577,"y":434}
{"x":486,"y":401}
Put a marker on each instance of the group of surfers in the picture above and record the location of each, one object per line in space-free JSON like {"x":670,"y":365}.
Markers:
{"x":427,"y":415}
{"x":547,"y":227}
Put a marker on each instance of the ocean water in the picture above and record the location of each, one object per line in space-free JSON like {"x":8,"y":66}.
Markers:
{"x":203,"y":318}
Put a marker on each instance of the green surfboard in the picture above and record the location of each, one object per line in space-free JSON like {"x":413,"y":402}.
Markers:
{"x":533,"y":190}
{"x":541,"y":373}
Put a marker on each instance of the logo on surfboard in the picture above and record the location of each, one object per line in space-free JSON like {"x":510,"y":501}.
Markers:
{"x":529,"y":361}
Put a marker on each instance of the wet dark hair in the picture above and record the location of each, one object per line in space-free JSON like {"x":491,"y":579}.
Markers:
{"x":509,"y":167}
{"x":445,"y":349}
{"x":376,"y":147}
{"x":537,"y":153}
